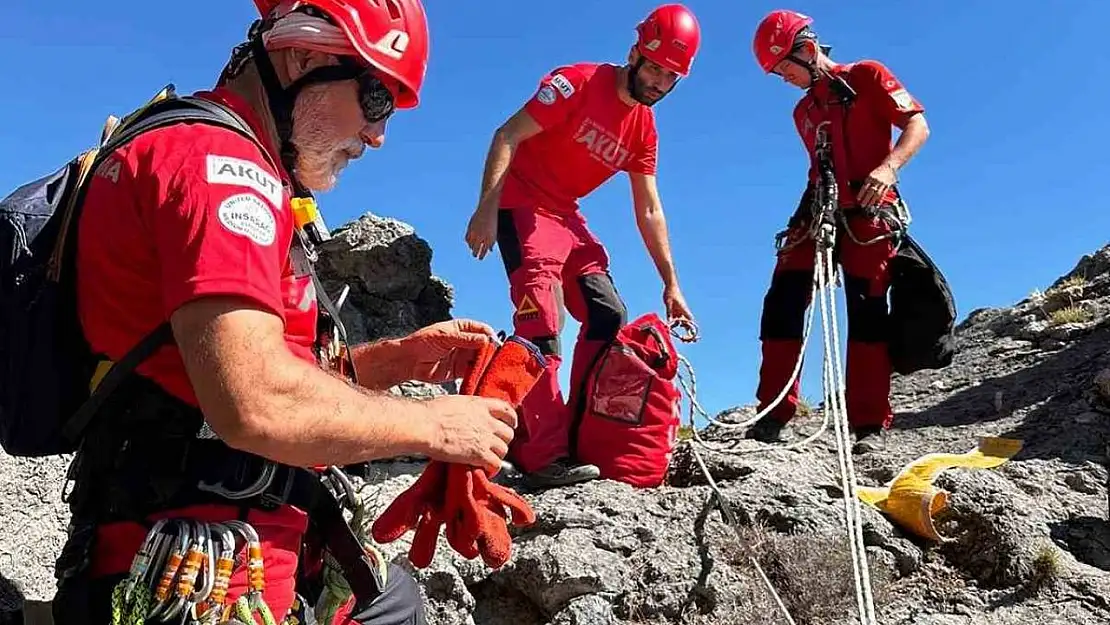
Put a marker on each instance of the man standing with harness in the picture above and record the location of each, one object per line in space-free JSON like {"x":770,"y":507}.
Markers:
{"x":585,"y":122}
{"x":847,"y":113}
{"x":200,"y":237}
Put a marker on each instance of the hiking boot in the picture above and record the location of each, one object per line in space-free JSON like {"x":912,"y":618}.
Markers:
{"x":869,"y":440}
{"x":767,"y":430}
{"x":562,"y":472}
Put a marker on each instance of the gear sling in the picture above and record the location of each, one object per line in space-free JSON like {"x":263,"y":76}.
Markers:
{"x":138,"y":449}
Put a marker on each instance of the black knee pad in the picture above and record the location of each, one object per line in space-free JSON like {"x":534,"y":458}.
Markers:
{"x":508,"y":241}
{"x":784,"y":306}
{"x":548,"y":345}
{"x":867,"y":314}
{"x":605,"y":311}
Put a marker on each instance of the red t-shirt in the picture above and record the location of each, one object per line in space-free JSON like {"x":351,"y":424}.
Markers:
{"x":179,"y":213}
{"x":588,"y":135}
{"x":860,"y":133}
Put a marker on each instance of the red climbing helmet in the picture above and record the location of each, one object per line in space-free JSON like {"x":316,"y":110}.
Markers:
{"x":391,"y":35}
{"x":774,"y":37}
{"x":669,"y":37}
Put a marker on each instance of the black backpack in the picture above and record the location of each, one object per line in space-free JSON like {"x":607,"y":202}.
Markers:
{"x":922,"y":312}
{"x":47,"y":369}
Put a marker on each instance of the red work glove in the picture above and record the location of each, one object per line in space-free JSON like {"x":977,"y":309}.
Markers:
{"x":461,"y":497}
{"x":419,"y":508}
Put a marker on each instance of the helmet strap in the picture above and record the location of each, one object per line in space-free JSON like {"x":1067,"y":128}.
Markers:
{"x":282,"y":100}
{"x":810,"y":66}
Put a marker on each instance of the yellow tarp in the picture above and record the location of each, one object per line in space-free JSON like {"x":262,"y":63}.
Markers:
{"x":912,"y":501}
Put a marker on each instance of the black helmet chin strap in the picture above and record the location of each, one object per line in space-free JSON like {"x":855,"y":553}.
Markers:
{"x":282,"y":99}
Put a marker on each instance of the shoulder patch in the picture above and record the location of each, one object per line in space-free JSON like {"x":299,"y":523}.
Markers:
{"x":563,"y":85}
{"x":247,"y":215}
{"x":237,"y":171}
{"x":546,"y":95}
{"x":902,"y":98}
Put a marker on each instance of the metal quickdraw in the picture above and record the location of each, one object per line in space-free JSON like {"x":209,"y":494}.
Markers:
{"x":251,"y":602}
{"x":210,"y":610}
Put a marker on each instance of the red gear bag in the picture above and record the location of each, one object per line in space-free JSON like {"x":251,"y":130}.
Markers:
{"x":628,"y":421}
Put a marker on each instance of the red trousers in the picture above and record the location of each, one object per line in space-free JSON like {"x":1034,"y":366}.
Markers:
{"x":866,"y":280}
{"x":554,"y":261}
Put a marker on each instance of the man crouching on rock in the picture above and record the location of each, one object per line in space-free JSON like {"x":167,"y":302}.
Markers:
{"x":192,"y":224}
{"x":855,"y":105}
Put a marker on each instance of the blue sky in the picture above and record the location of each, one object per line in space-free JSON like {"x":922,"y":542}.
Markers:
{"x":1004,"y":194}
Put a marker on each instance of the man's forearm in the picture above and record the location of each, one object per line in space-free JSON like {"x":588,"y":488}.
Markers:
{"x":498,"y":159}
{"x":302,"y":416}
{"x":653,"y":229}
{"x":909,"y":142}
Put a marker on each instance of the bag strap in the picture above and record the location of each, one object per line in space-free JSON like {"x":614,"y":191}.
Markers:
{"x":162,"y":113}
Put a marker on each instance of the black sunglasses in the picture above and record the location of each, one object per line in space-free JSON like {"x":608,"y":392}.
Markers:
{"x":374,"y":96}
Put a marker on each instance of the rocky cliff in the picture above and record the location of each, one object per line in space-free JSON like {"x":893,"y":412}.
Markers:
{"x":1027,"y":542}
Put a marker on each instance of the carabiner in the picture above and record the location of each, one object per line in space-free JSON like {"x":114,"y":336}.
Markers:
{"x":184,"y":589}
{"x":169,"y":571}
{"x":142,"y":560}
{"x":688,"y":326}
{"x":210,"y":608}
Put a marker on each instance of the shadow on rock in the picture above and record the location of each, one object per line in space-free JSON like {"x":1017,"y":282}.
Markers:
{"x":1087,"y":538}
{"x":1059,"y":425}
{"x":11,"y":603}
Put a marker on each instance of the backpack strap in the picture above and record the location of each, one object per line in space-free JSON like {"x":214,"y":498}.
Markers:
{"x":163,"y":113}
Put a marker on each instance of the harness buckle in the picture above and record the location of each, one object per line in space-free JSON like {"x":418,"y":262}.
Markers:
{"x":271,"y":499}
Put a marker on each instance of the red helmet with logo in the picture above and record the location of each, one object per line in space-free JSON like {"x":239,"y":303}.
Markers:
{"x":669,"y":37}
{"x":774,"y":37}
{"x":391,"y":35}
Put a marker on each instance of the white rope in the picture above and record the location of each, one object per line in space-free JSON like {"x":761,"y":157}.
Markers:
{"x":835,"y":409}
{"x":789,"y":383}
{"x":727,"y":514}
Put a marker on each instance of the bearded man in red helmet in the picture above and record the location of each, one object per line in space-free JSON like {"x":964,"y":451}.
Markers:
{"x":199,"y":237}
{"x":854,"y":106}
{"x":584,"y":123}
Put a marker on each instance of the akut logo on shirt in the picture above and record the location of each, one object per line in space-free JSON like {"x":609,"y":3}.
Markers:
{"x":603,"y":145}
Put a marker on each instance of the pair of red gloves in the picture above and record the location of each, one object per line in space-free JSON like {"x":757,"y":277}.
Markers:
{"x":461,"y":497}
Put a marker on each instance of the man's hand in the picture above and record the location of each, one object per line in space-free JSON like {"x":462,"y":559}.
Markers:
{"x":675,"y":305}
{"x":468,"y":429}
{"x":877,"y":184}
{"x":481,"y":232}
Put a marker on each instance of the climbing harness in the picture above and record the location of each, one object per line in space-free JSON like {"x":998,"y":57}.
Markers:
{"x":822,"y":229}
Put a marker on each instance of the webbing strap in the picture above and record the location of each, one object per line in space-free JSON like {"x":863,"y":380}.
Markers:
{"x":345,"y":546}
{"x":150,"y":343}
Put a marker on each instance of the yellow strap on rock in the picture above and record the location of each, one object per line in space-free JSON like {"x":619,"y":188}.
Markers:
{"x":912,"y":501}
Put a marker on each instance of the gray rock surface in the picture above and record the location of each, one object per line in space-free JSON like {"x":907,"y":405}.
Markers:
{"x":1027,"y":542}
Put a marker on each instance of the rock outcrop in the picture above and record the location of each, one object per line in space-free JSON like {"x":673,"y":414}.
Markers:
{"x":389,"y":272}
{"x":1027,"y":542}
